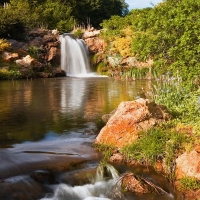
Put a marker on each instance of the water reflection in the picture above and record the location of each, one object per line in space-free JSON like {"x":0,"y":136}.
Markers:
{"x":32,"y":108}
{"x":72,"y":95}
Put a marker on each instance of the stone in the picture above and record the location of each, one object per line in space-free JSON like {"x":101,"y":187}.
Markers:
{"x":37,"y":42}
{"x":106,"y":117}
{"x":58,"y":72}
{"x":38,"y":32}
{"x":28,"y":62}
{"x":188,"y":164}
{"x":117,"y":158}
{"x":53,"y":54}
{"x":129,"y":61}
{"x":50,"y":38}
{"x":91,"y":33}
{"x":55,"y":32}
{"x":8,"y":56}
{"x":197,"y":149}
{"x":132,"y":61}
{"x":95,"y":44}
{"x":43,"y":176}
{"x":131,"y":184}
{"x":16,"y":46}
{"x":130,"y":118}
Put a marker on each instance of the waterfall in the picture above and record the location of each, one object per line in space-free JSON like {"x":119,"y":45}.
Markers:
{"x":74,"y":56}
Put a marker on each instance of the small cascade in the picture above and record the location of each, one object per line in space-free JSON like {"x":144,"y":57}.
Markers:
{"x":101,"y":189}
{"x":109,"y":169}
{"x":74,"y":56}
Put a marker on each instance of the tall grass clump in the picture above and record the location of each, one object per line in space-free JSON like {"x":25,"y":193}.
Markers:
{"x":135,"y":73}
{"x":181,"y":98}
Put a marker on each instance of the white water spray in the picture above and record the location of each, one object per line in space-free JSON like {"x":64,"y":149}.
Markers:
{"x":74,"y":56}
{"x":101,"y":189}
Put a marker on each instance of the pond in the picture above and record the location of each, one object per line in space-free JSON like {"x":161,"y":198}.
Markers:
{"x":47,"y":130}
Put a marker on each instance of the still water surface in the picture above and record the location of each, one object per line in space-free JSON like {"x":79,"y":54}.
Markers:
{"x":47,"y":127}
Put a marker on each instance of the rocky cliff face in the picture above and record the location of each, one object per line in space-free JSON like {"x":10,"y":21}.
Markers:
{"x":37,"y":56}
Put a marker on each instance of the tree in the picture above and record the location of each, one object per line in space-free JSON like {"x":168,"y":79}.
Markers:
{"x":97,"y":10}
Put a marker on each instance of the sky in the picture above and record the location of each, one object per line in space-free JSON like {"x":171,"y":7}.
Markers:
{"x":141,"y":3}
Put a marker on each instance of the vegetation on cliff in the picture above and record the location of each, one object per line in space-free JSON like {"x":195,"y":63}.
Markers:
{"x":168,"y":34}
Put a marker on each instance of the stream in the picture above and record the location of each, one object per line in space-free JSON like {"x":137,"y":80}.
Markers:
{"x":47,"y":130}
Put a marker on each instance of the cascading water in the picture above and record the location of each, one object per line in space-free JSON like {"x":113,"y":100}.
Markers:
{"x":74,"y":56}
{"x":99,"y":189}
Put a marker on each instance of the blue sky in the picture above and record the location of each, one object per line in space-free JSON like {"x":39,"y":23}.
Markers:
{"x":141,"y":3}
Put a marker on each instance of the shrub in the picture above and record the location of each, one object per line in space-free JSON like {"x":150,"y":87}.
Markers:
{"x":4,"y":45}
{"x":78,"y":33}
{"x":9,"y":74}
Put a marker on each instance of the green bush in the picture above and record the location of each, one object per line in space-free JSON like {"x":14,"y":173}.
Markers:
{"x":78,"y":33}
{"x":9,"y":74}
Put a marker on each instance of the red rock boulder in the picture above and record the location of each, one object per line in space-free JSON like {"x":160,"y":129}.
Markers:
{"x":130,"y":118}
{"x":188,"y":164}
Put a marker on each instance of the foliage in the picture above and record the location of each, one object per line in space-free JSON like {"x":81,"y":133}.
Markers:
{"x":107,"y":152}
{"x":102,"y":69}
{"x":135,"y":73}
{"x":181,"y":99}
{"x":57,"y":15}
{"x":153,"y":145}
{"x":4,"y":45}
{"x":78,"y":33}
{"x":189,"y":183}
{"x":122,"y":45}
{"x":63,"y":15}
{"x":33,"y":51}
{"x":167,"y":33}
{"x":97,"y":11}
{"x":9,"y":74}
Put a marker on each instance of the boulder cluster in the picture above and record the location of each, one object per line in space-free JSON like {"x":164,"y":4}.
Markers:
{"x":38,"y":56}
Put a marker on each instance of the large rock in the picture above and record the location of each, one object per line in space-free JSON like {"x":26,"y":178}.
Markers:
{"x":37,"y":42}
{"x":8,"y":56}
{"x":188,"y":164}
{"x":131,"y":183}
{"x":28,"y":62}
{"x":95,"y":44}
{"x":18,"y":46}
{"x":38,"y":32}
{"x":130,"y":118}
{"x":53,"y":55}
{"x":91,"y":33}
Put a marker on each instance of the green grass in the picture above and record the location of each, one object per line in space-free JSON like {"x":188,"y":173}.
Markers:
{"x":167,"y":141}
{"x":155,"y":144}
{"x":189,"y":183}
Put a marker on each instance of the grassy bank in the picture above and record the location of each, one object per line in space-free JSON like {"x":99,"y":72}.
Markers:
{"x":168,"y":140}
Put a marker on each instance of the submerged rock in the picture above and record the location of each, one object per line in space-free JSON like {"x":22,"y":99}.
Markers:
{"x":43,"y":176}
{"x":130,"y":118}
